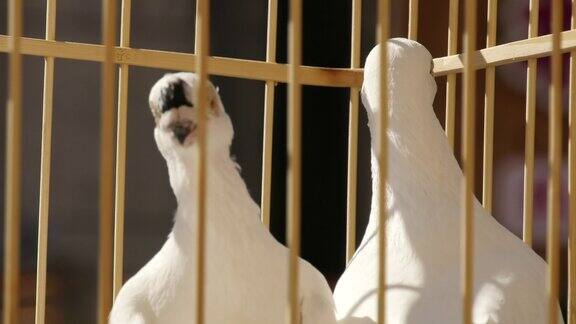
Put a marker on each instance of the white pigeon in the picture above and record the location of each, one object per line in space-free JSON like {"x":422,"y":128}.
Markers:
{"x":246,"y":268}
{"x":423,"y":220}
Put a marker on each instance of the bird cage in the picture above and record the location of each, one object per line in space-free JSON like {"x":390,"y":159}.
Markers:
{"x":115,"y":53}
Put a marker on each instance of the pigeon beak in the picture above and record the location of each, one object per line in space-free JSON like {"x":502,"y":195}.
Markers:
{"x":181,"y":130}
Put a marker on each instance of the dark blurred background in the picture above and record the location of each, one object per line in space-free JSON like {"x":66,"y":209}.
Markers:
{"x":238,"y":30}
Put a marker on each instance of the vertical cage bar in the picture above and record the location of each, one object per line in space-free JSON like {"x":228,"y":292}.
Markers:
{"x":202,"y":52}
{"x":528,"y":201}
{"x":451,"y":78}
{"x":488,"y":148}
{"x":353,"y":133}
{"x":413,"y":19}
{"x":468,"y":145}
{"x":45,"y":157}
{"x":383,"y":33}
{"x":13,"y":184}
{"x":555,"y":164}
{"x":106,"y":163}
{"x":294,"y":170}
{"x":268,"y":114}
{"x":120,"y":183}
{"x":571,"y":308}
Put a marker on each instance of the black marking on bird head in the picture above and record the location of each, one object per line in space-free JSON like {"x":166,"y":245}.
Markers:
{"x":174,"y":96}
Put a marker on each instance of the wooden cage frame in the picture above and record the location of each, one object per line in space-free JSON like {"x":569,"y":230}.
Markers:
{"x":112,"y":170}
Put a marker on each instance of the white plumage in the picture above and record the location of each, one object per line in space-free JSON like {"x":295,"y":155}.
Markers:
{"x":246,"y":268}
{"x":423,"y":222}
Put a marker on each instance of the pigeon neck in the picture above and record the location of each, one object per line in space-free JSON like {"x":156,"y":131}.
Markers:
{"x":228,"y":203}
{"x":419,"y":158}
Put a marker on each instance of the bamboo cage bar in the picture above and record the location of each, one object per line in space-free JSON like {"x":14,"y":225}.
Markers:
{"x":120,"y":184}
{"x":268,"y":135}
{"x":294,"y":169}
{"x":531,"y":82}
{"x":555,"y":164}
{"x":13,"y":185}
{"x":512,"y":52}
{"x":45,"y":159}
{"x":105,"y":246}
{"x":413,"y":19}
{"x":450,"y":118}
{"x":468,"y":158}
{"x":571,"y":307}
{"x":354,"y":104}
{"x":202,"y":48}
{"x":222,"y":66}
{"x":488,"y":148}
{"x":383,"y":33}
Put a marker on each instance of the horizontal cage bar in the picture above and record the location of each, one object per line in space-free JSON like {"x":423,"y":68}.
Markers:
{"x":231,"y":67}
{"x":267,"y":71}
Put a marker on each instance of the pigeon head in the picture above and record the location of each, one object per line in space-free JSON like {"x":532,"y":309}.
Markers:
{"x":411,"y":86}
{"x":174,"y":106}
{"x":409,"y":79}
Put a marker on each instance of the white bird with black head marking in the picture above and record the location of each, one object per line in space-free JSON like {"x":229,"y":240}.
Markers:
{"x":424,"y":210}
{"x":246,"y":268}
